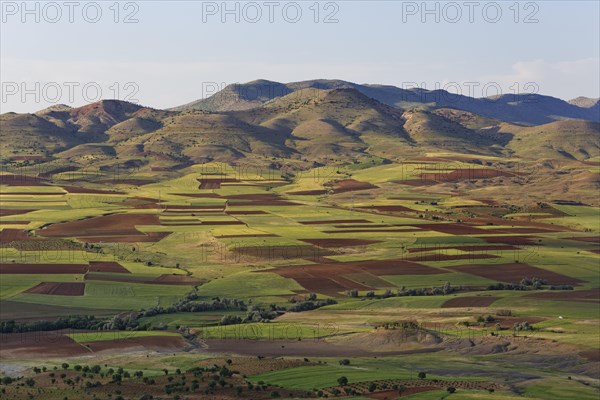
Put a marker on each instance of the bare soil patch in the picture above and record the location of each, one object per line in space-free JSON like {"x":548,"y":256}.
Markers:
{"x":59,"y":288}
{"x":43,"y":269}
{"x":105,"y":225}
{"x":473,"y":301}
{"x":510,"y":240}
{"x":107,"y":266}
{"x":513,"y":273}
{"x":331,"y":278}
{"x":446,"y":257}
{"x":21,"y":180}
{"x":396,"y":208}
{"x":316,"y":192}
{"x":336,"y":221}
{"x":5,"y":212}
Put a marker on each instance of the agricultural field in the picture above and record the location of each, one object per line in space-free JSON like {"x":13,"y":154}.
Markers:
{"x":378,"y":280}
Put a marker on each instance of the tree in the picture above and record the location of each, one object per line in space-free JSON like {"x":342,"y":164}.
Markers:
{"x":422,"y":375}
{"x":372,"y":387}
{"x":451,"y":389}
{"x":65,"y":366}
{"x":342,"y":380}
{"x":344,"y":361}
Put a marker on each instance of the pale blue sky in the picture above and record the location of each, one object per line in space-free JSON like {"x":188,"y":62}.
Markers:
{"x":171,"y":54}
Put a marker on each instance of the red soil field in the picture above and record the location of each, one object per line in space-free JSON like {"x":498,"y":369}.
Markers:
{"x":390,"y":208}
{"x":350,"y":185}
{"x":43,"y":268}
{"x":179,"y":208}
{"x":214,"y":183}
{"x":5,"y":213}
{"x":21,"y":180}
{"x":510,"y":240}
{"x":518,"y":230}
{"x":329,"y":277}
{"x":199,"y":195}
{"x":105,"y":225}
{"x":425,"y":248}
{"x":94,"y":266}
{"x":513,"y":273}
{"x":257,"y":235}
{"x":259,"y":203}
{"x":372,"y":230}
{"x":39,"y":344}
{"x":107,"y":266}
{"x":10,"y":235}
{"x":473,"y":301}
{"x":329,"y":243}
{"x":308,"y":193}
{"x":590,"y":295}
{"x":446,"y":257}
{"x":336,"y":221}
{"x":59,"y":288}
{"x":156,"y":343}
{"x":363,"y":226}
{"x":34,"y":193}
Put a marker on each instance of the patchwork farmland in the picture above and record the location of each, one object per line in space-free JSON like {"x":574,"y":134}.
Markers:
{"x":319,"y":267}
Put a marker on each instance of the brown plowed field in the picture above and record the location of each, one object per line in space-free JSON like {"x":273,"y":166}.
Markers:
{"x":5,"y":213}
{"x":59,"y":288}
{"x":511,"y":240}
{"x":107,"y":266}
{"x":329,"y":277}
{"x":336,"y":221}
{"x":350,"y":185}
{"x":43,"y":268}
{"x":389,"y":208}
{"x":317,"y":192}
{"x":513,"y":273}
{"x":21,"y":180}
{"x":447,"y":257}
{"x":249,"y":212}
{"x":474,"y":301}
{"x":105,"y":225}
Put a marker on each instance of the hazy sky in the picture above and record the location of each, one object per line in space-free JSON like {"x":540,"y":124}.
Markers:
{"x":177,"y":51}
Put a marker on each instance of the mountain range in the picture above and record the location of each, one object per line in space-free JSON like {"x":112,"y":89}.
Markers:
{"x":320,"y":121}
